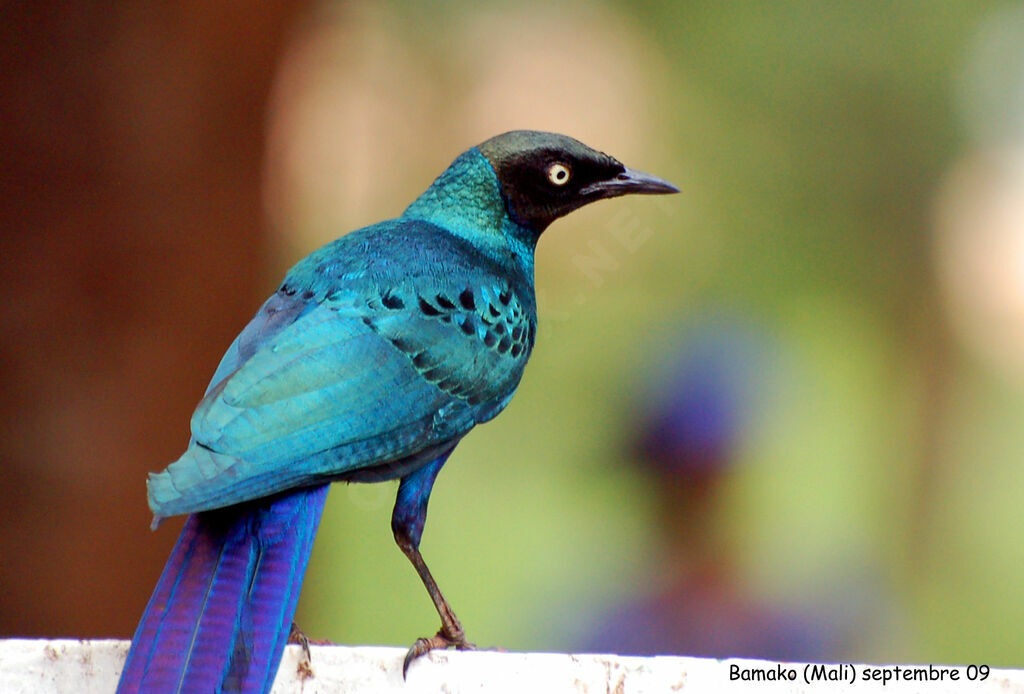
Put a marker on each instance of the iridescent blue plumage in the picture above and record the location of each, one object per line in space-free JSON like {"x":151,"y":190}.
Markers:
{"x":378,"y":353}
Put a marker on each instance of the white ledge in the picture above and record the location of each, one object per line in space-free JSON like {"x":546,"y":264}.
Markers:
{"x":87,"y":667}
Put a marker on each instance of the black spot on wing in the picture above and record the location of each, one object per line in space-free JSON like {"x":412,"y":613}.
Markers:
{"x":404,"y":344}
{"x":428,"y":309}
{"x":434,"y":374}
{"x":392,"y":301}
{"x":488,"y":318}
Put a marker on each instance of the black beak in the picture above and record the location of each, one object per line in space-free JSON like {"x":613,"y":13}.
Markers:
{"x":628,"y":182}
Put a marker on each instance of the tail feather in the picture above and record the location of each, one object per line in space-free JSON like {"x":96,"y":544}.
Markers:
{"x":220,"y":615}
{"x":273,"y":594}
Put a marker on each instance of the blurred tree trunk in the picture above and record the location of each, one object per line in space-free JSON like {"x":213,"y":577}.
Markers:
{"x":132,"y":248}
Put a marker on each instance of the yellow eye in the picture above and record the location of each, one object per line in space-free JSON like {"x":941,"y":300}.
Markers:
{"x":558,"y":174}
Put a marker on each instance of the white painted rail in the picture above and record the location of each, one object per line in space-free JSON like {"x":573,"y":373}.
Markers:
{"x":92,"y":667}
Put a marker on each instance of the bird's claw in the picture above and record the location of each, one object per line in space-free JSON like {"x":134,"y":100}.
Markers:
{"x":297,"y":636}
{"x":424,"y":645}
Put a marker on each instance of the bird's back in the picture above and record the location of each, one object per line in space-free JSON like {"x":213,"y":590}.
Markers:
{"x":378,"y":351}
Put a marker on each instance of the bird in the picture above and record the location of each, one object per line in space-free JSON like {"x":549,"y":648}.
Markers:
{"x":376,"y":355}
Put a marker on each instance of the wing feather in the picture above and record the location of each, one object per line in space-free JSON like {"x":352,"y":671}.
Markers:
{"x":345,"y":373}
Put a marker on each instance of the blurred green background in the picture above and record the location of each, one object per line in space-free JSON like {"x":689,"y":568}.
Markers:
{"x":852,"y":191}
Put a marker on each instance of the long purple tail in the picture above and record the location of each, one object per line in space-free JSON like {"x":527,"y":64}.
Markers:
{"x":221,"y":613}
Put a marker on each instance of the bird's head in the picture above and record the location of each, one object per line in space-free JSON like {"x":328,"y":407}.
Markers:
{"x":544,"y":176}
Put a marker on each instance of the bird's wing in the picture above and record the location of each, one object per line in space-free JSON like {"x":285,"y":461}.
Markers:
{"x":354,"y":380}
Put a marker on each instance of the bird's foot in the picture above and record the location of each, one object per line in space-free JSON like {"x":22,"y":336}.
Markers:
{"x":441,"y":639}
{"x":297,"y":636}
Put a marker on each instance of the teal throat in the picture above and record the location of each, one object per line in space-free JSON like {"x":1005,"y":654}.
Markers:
{"x":466,"y":200}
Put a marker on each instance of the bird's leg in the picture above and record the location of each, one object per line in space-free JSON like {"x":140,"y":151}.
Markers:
{"x":451,"y":633}
{"x":407,"y":524}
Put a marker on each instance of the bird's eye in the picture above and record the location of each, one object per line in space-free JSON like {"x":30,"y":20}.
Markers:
{"x":558,"y":174}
